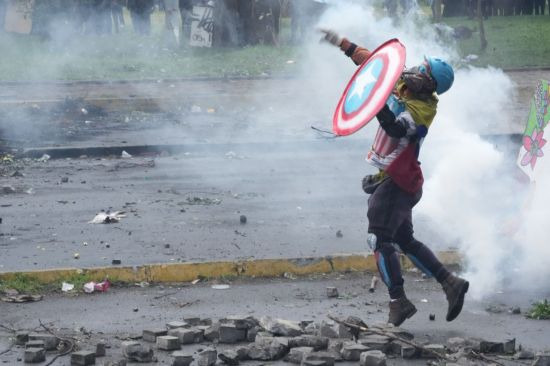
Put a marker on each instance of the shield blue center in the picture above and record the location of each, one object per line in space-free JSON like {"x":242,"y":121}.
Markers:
{"x":362,"y":86}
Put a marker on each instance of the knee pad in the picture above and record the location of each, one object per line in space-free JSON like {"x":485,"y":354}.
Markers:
{"x":388,"y":265}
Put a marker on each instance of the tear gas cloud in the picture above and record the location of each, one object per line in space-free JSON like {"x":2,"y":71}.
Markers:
{"x":471,"y":194}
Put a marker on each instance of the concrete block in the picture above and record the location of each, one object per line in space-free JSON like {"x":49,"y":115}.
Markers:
{"x":188,"y":335}
{"x":316,"y":342}
{"x":327,"y":329}
{"x":326,"y":357}
{"x":150,"y":335}
{"x":251,"y":333}
{"x":229,"y":357}
{"x":168,"y":343}
{"x":50,"y":341}
{"x":207,"y":357}
{"x":373,"y":358}
{"x":408,"y":351}
{"x":280,"y":327}
{"x":437,"y":348}
{"x":508,"y":346}
{"x":130,"y":347}
{"x":375,"y":342}
{"x":542,"y":359}
{"x":332,"y":292}
{"x":181,"y":358}
{"x":34,"y":355}
{"x":352,"y":351}
{"x":176,"y":324}
{"x":229,"y":333}
{"x":212,"y":333}
{"x":100,"y":350}
{"x":343,"y":331}
{"x":241,"y":321}
{"x":35,"y":344}
{"x":297,"y":354}
{"x":192,"y":321}
{"x":82,"y":358}
{"x":316,"y":363}
{"x":268,"y":349}
{"x":21,"y":338}
{"x":242,"y":353}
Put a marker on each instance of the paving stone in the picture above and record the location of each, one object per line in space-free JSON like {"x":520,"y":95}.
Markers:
{"x":268,"y":349}
{"x":34,"y":355}
{"x":351,"y":351}
{"x":115,"y":363}
{"x":327,"y":329}
{"x":100,"y":349}
{"x":206,"y":322}
{"x":168,"y":343}
{"x":242,"y":321}
{"x":408,"y":351}
{"x":242,"y":353}
{"x":251,"y":333}
{"x":192,"y":321}
{"x":229,"y":333}
{"x":35,"y":344}
{"x":181,"y":358}
{"x":150,"y":335}
{"x":82,"y":358}
{"x":21,"y":338}
{"x":373,"y":358}
{"x":134,"y":351}
{"x":263,"y":335}
{"x":316,"y":363}
{"x":327,"y":357}
{"x":456,"y":343}
{"x":508,"y":346}
{"x":50,"y":341}
{"x":187,"y":335}
{"x":229,"y":357}
{"x":297,"y":354}
{"x":332,"y":292}
{"x":281,"y":327}
{"x":207,"y":357}
{"x":437,"y":348}
{"x":316,"y":342}
{"x":176,"y":324}
{"x":542,"y":359}
{"x":343,"y":331}
{"x":212,"y":333}
{"x":375,"y":342}
{"x":524,"y":355}
{"x":312,"y":328}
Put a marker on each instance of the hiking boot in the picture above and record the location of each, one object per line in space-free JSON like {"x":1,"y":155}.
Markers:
{"x":455,"y":288}
{"x":400,"y":310}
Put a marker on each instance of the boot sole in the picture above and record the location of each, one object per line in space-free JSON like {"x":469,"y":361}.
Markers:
{"x":408,"y":316}
{"x":457,"y":308}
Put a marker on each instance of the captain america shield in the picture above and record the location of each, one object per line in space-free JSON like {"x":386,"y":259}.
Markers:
{"x":369,"y":88}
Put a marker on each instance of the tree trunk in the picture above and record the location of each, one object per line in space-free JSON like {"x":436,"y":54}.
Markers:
{"x":481,"y":27}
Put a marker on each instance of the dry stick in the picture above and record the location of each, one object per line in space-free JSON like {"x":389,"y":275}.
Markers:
{"x":485,"y":358}
{"x":386,"y":334}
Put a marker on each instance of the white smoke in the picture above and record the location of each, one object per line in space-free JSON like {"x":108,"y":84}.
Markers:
{"x":470,"y":196}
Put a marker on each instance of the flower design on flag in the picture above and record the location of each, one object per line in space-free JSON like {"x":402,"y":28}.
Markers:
{"x":533,"y":144}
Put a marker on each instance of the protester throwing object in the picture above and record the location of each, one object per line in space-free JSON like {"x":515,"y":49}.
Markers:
{"x":405,"y":104}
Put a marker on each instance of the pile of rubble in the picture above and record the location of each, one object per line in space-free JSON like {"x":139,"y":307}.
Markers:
{"x":266,"y":339}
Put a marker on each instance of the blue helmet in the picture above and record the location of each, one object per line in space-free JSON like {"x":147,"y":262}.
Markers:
{"x":442,"y":73}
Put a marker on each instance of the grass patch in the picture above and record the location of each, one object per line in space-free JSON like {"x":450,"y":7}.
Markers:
{"x":513,"y":41}
{"x":539,"y":310}
{"x":23,"y":284}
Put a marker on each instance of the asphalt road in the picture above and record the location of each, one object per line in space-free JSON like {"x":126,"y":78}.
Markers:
{"x":119,"y":313}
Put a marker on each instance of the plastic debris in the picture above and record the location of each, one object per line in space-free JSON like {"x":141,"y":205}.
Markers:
{"x":108,"y":218}
{"x":220,"y":287}
{"x":96,"y":286}
{"x":125,"y":155}
{"x":66,"y":287}
{"x":44,"y":158}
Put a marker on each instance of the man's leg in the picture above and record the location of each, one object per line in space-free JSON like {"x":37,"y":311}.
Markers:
{"x":422,"y":257}
{"x":388,"y":207}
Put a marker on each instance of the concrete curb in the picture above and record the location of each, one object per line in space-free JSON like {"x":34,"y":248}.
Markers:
{"x":186,"y":272}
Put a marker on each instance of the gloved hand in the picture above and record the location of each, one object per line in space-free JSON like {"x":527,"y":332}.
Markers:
{"x":331,"y":37}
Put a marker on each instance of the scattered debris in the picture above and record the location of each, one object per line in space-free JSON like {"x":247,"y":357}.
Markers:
{"x":243,"y":219}
{"x":220,"y":287}
{"x":202,"y":201}
{"x":90,"y":287}
{"x":21,"y":298}
{"x":332,"y":292}
{"x":339,"y":234}
{"x":8,"y":190}
{"x":66,"y":287}
{"x":125,"y":155}
{"x":432,"y":317}
{"x":108,"y":218}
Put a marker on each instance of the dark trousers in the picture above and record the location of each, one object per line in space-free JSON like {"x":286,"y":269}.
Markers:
{"x":390,"y":219}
